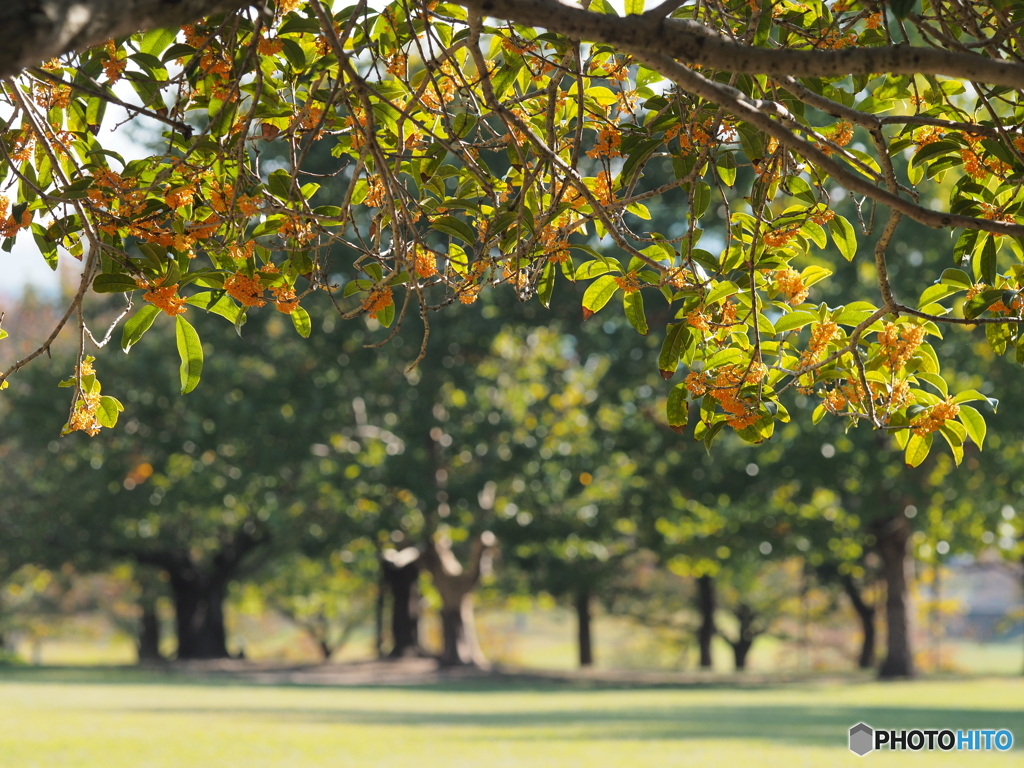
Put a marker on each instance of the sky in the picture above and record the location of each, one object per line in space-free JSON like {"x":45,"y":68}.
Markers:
{"x":24,"y":265}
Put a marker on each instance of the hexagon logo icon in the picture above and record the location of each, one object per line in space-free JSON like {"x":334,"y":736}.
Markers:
{"x":862,"y":739}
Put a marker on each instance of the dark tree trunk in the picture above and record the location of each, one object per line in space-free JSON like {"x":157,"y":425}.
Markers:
{"x":149,"y":633}
{"x":456,"y":586}
{"x":892,"y":546}
{"x":378,"y":618}
{"x":706,"y":608}
{"x":746,"y":636}
{"x":199,"y":611}
{"x":739,"y":652}
{"x":402,"y":579}
{"x":582,"y":603}
{"x":866,"y":614}
{"x":199,"y":592}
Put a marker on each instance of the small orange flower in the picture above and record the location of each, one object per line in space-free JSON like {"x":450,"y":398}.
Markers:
{"x":791,"y":285}
{"x":378,"y":300}
{"x":699,"y":320}
{"x":285,"y":299}
{"x":425,"y":262}
{"x":163,"y":297}
{"x":933,"y":419}
{"x":246,"y":290}
{"x":629,"y":282}
{"x":267,"y":47}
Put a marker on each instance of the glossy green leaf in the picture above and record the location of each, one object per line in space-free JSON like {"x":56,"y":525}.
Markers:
{"x":918,"y":448}
{"x":190,"y":350}
{"x":677,"y":408}
{"x":107,"y":411}
{"x":138,"y":324}
{"x":598,"y":294}
{"x":301,"y":321}
{"x":676,"y":341}
{"x":975,"y":424}
{"x":844,"y":236}
{"x":633,"y":305}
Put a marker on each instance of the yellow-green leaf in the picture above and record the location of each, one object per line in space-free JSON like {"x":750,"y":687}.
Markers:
{"x":190,"y":350}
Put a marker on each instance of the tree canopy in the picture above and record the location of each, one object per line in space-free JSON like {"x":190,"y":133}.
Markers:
{"x":521,"y":142}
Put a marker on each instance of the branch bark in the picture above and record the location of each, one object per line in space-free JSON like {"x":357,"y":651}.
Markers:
{"x":37,"y":30}
{"x":697,"y":44}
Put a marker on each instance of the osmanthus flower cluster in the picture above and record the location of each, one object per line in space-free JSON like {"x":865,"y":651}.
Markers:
{"x":522,"y":142}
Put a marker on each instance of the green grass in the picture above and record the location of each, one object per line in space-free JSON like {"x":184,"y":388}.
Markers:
{"x":54,"y":718}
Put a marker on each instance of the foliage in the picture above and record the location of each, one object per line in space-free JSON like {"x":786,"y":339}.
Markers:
{"x":514,"y":142}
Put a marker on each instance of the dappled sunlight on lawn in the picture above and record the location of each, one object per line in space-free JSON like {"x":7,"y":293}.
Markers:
{"x":124,"y":722}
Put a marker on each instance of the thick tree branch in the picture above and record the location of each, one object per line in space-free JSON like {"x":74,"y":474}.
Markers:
{"x":37,"y":30}
{"x":695,"y":43}
{"x":754,"y":112}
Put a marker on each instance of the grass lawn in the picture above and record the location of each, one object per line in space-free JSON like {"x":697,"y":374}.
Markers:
{"x":124,"y":719}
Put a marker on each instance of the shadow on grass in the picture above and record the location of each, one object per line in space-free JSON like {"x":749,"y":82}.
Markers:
{"x":805,"y":725}
{"x":821,"y":724}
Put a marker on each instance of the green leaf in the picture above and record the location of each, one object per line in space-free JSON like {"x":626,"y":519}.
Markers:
{"x":901,"y":9}
{"x":726,"y":165}
{"x":387,"y":315}
{"x":638,"y":156}
{"x":934,"y":293}
{"x":970,"y":395}
{"x":301,"y":321}
{"x":137,"y":325}
{"x":956,"y":278}
{"x":596,"y":268}
{"x":106,"y":413}
{"x":280,"y":184}
{"x":456,"y":228}
{"x":546,"y":284}
{"x":936,"y":381}
{"x":981,"y":302}
{"x":721,"y":291}
{"x":676,"y":341}
{"x":701,"y":199}
{"x":155,"y":41}
{"x":983,"y":263}
{"x":634,"y":7}
{"x":116,"y":283}
{"x":794,"y":320}
{"x":219,"y":303}
{"x":598,"y":294}
{"x":975,"y":424}
{"x":918,"y":448}
{"x":843,"y":236}
{"x":633,"y":305}
{"x":190,"y":350}
{"x":677,"y":409}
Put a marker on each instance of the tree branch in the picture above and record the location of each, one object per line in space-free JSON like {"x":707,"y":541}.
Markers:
{"x":754,"y":112}
{"x":697,"y":44}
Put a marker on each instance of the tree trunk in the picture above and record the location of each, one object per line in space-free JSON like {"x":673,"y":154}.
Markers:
{"x":892,"y":546}
{"x":706,"y":607}
{"x":456,"y":587}
{"x":582,"y":603}
{"x":745,"y":637}
{"x":149,"y":632}
{"x":866,"y":614}
{"x":739,"y":652}
{"x":378,"y":617}
{"x":199,"y":613}
{"x":401,"y":572}
{"x":35,"y":31}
